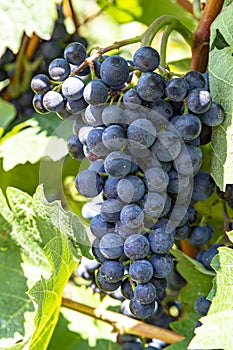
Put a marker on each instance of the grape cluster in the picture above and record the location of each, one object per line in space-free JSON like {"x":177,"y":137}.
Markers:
{"x":142,"y":134}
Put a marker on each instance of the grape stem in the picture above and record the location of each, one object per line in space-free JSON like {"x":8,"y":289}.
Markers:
{"x":100,"y":51}
{"x":200,"y":49}
{"x":123,"y":324}
{"x":171,"y":24}
{"x":162,"y":21}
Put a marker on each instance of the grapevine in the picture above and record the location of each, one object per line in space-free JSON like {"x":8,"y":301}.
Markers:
{"x":140,"y":136}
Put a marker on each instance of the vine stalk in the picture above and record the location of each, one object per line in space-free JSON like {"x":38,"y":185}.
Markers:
{"x":124,"y":324}
{"x":200,"y":49}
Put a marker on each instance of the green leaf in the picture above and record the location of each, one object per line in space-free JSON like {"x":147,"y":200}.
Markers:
{"x":21,"y":16}
{"x":186,"y":327}
{"x":46,"y":135}
{"x":199,"y":279}
{"x":39,"y":248}
{"x":16,"y":309}
{"x":155,"y":9}
{"x":221,"y":87}
{"x":216,"y":331}
{"x":7,"y":115}
{"x":199,"y":282}
{"x":122,"y":11}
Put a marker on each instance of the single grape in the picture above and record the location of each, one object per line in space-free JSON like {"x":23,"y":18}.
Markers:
{"x":162,"y":265}
{"x":194,"y":79}
{"x":88,"y":183}
{"x":163,"y":109}
{"x":132,"y":99}
{"x":94,"y":142}
{"x":117,"y":164}
{"x":93,"y":115}
{"x":38,"y":105}
{"x":59,"y":69}
{"x":141,"y":133}
{"x":126,"y":289}
{"x":182,"y":232}
{"x":132,"y":216}
{"x":110,"y":209}
{"x":145,"y":293}
{"x":208,"y":254}
{"x":99,"y":227}
{"x":110,"y":187}
{"x":160,"y":241}
{"x":75,"y":53}
{"x":140,"y":310}
{"x":203,"y":186}
{"x":199,"y":100}
{"x":72,"y":88}
{"x":114,"y":137}
{"x":136,"y":246}
{"x":141,"y":271}
{"x":167,"y":146}
{"x":156,"y":179}
{"x":114,"y":70}
{"x":146,"y":59}
{"x":75,"y":147}
{"x":176,"y":89}
{"x":104,"y":285}
{"x":189,"y":160}
{"x":188,"y":126}
{"x":153,"y":204}
{"x":111,"y":246}
{"x":213,"y":116}
{"x":112,"y":271}
{"x":130,"y":189}
{"x":53,"y":101}
{"x":150,"y":86}
{"x":199,"y":236}
{"x":113,"y":114}
{"x":95,"y":92}
{"x":40,"y":84}
{"x":202,"y":305}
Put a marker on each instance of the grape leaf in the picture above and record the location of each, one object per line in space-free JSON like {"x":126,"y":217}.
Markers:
{"x":32,"y":17}
{"x":38,"y":252}
{"x":7,"y":115}
{"x":199,"y":282}
{"x":121,"y":10}
{"x":216,"y":331}
{"x":186,"y":327}
{"x":199,"y":279}
{"x":221,"y":87}
{"x":46,"y":135}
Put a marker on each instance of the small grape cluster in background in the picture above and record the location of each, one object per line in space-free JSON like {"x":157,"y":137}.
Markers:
{"x":142,"y":134}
